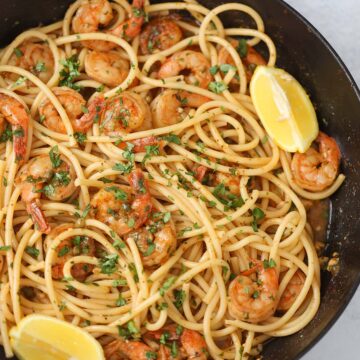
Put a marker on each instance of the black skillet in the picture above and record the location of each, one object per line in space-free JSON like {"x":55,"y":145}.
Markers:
{"x":307,"y":55}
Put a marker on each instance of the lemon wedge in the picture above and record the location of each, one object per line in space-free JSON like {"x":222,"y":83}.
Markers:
{"x":284,"y":108}
{"x":46,"y":338}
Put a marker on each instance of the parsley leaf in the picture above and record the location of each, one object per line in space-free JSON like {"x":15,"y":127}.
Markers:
{"x":80,"y":137}
{"x":242,"y":48}
{"x":108,"y":263}
{"x":167,"y":284}
{"x":32,"y":251}
{"x":217,"y":87}
{"x":119,"y":193}
{"x":69,"y":72}
{"x":257,"y":214}
{"x":55,"y":157}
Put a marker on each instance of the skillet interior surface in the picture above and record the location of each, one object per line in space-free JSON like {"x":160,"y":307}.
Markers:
{"x":304,"y":53}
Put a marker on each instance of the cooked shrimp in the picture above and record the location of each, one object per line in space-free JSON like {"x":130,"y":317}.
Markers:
{"x":172,"y":106}
{"x":108,"y":68}
{"x":121,"y":208}
{"x":95,"y":13}
{"x":208,"y":177}
{"x":156,"y":241}
{"x":74,"y":105}
{"x":254,"y":300}
{"x":251,"y":59}
{"x":159,"y":34}
{"x":292,"y":291}
{"x":54,"y":177}
{"x":16,"y":114}
{"x":36,"y":58}
{"x":125,"y":113}
{"x":190,"y":344}
{"x":190,"y":61}
{"x":78,"y":245}
{"x":316,"y":170}
{"x":120,"y":349}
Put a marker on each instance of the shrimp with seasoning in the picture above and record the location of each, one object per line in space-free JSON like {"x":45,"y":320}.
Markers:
{"x":34,"y":57}
{"x":188,"y":344}
{"x":122,"y":114}
{"x":74,"y":105}
{"x":188,"y":61}
{"x":315,"y":170}
{"x":159,"y":34}
{"x":291,"y":291}
{"x":172,"y":106}
{"x":17,"y":115}
{"x":68,"y":248}
{"x":254,"y":300}
{"x":108,"y":68}
{"x":130,"y":213}
{"x":120,"y":349}
{"x":250,"y":57}
{"x":95,"y":13}
{"x":53,"y":175}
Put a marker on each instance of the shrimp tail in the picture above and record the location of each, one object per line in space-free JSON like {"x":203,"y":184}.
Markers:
{"x":142,"y":203}
{"x":20,"y":143}
{"x":131,"y":27}
{"x":141,"y":144}
{"x":200,"y":172}
{"x":38,"y":216}
{"x":95,"y":108}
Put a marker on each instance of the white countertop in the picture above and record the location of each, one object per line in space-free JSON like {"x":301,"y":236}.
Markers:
{"x":339,"y":22}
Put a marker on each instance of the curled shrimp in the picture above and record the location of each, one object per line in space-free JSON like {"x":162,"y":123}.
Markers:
{"x":121,"y":208}
{"x":172,"y":106}
{"x":15,"y":113}
{"x":316,"y":170}
{"x":73,"y":104}
{"x":189,"y":61}
{"x":254,"y":300}
{"x":78,"y":245}
{"x":159,"y":34}
{"x":53,"y":177}
{"x":120,"y":349}
{"x":123,"y":113}
{"x":250,"y":57}
{"x":189,"y":343}
{"x":291,"y":291}
{"x":129,"y":212}
{"x":108,"y":68}
{"x":95,"y":13}
{"x":34,"y":57}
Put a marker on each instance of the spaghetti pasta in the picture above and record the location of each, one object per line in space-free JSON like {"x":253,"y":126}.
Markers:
{"x":196,"y":221}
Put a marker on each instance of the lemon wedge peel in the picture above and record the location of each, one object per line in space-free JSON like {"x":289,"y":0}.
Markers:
{"x":53,"y":339}
{"x":284,"y":109}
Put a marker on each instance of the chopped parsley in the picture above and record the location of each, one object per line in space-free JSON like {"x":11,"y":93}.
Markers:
{"x":69,"y":72}
{"x":108,"y":263}
{"x":120,"y":301}
{"x":40,"y":67}
{"x":32,"y":251}
{"x":80,"y":137}
{"x":214,"y":69}
{"x":150,"y":151}
{"x":242,"y":48}
{"x":63,"y":251}
{"x":172,"y":138}
{"x":179,"y":296}
{"x":5,"y":248}
{"x":119,"y":193}
{"x":257,"y":214}
{"x":167,"y":284}
{"x":217,"y":87}
{"x":123,"y":168}
{"x":269,"y":264}
{"x":55,"y":157}
{"x":18,"y":52}
{"x":228,"y":199}
{"x":225,"y":68}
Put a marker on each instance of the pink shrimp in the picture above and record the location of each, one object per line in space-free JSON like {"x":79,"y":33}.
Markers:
{"x":254,"y":300}
{"x":316,"y":170}
{"x":16,"y":114}
{"x":95,"y":13}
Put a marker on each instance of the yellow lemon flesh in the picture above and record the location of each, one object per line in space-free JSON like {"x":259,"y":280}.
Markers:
{"x":46,"y":338}
{"x":284,"y":109}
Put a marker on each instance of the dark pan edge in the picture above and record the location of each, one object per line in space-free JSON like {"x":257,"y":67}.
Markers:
{"x":351,"y":79}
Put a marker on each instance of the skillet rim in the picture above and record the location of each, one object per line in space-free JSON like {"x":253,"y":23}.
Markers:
{"x":349,"y":294}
